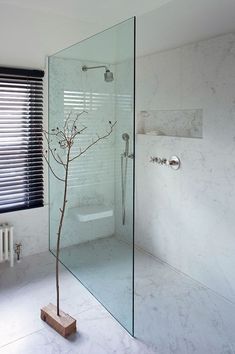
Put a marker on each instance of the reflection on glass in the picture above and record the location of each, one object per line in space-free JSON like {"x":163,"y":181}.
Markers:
{"x":97,"y":76}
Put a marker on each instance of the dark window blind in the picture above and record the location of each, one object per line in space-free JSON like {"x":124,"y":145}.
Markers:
{"x":21,"y":140}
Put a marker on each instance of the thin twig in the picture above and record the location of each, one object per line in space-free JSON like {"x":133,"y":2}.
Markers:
{"x":93,"y":143}
{"x":78,"y":132}
{"x":60,"y":179}
{"x":66,"y":123}
{"x":52,"y":152}
{"x":61,"y":160}
{"x":76,"y":119}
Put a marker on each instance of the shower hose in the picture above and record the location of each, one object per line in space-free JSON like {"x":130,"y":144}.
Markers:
{"x":124,"y":159}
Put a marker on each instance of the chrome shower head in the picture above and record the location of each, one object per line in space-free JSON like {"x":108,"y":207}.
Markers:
{"x":108,"y":76}
{"x":125,"y":136}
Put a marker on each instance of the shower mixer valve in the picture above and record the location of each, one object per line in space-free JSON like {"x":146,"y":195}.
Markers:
{"x":173,"y":162}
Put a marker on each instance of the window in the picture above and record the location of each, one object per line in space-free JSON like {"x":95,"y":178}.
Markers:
{"x":21,"y":140}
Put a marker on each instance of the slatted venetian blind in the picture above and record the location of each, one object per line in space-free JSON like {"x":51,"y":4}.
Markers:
{"x":21,"y":141}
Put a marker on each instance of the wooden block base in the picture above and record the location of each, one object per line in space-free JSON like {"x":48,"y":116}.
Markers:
{"x":63,"y":324}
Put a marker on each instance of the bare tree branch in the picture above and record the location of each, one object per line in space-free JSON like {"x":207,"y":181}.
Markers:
{"x":75,"y":121}
{"x":61,"y":160}
{"x":94,"y":142}
{"x":60,"y":179}
{"x":78,"y":132}
{"x":66,"y":123}
{"x":66,"y":137}
{"x":61,"y":135}
{"x":52,"y":152}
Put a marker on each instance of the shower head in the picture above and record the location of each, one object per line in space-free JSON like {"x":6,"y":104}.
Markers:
{"x":125,"y":136}
{"x":108,"y":75}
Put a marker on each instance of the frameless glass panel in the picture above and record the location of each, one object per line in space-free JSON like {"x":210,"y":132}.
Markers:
{"x":96,"y":78}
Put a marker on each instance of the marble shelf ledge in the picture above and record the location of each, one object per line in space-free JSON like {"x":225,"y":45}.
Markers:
{"x":185,"y":123}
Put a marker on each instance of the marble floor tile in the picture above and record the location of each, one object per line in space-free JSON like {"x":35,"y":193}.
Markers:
{"x":173,"y":313}
{"x":30,"y":285}
{"x":98,"y":333}
{"x":104,"y":266}
{"x":179,"y":315}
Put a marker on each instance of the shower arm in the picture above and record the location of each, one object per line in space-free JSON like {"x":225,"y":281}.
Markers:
{"x":85,"y":68}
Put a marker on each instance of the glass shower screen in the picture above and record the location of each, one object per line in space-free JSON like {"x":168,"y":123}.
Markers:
{"x":92,"y":82}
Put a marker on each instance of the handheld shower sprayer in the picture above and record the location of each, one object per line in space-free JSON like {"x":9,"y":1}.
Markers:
{"x":126,"y":138}
{"x":125,"y":156}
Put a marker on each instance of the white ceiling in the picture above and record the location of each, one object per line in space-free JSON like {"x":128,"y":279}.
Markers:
{"x":183,"y":21}
{"x":114,"y":45}
{"x":108,"y":12}
{"x":171,"y":25}
{"x":161,"y":24}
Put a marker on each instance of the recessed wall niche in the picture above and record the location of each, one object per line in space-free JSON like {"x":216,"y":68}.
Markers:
{"x":176,"y":123}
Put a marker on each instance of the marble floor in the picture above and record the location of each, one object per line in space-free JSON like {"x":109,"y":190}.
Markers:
{"x":105,"y":267}
{"x":173,"y":313}
{"x":176,"y":314}
{"x":28,"y":286}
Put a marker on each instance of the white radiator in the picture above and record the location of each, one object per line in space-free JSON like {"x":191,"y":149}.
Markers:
{"x":6,"y":244}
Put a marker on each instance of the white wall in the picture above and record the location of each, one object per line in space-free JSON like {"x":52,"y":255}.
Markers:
{"x":30,"y":228}
{"x":186,"y":217}
{"x":27,"y":36}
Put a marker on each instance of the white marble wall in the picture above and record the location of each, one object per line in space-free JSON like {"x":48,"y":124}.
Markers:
{"x":186,"y":217}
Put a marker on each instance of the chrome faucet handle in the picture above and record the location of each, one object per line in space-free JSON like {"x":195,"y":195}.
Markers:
{"x":173,"y":162}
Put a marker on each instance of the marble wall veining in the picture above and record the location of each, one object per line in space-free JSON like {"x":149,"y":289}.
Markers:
{"x":186,"y":217}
